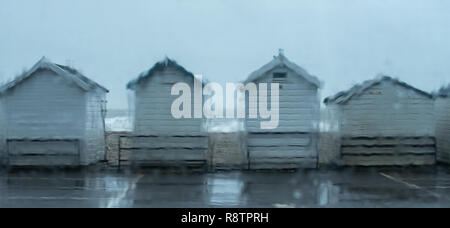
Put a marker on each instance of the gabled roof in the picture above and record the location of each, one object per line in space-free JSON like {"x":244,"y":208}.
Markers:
{"x":344,"y":96}
{"x":158,"y":67}
{"x":82,"y":81}
{"x":82,"y":77}
{"x":281,"y":60}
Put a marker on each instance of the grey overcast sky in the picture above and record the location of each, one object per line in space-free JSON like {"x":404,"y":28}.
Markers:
{"x":342,"y":42}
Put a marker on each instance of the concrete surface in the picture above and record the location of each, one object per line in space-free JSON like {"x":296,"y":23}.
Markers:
{"x":350,"y":187}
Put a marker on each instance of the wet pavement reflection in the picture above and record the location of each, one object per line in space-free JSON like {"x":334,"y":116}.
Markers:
{"x":350,"y":187}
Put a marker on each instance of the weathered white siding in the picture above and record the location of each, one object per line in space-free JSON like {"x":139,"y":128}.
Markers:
{"x":95,"y":129}
{"x":153,"y":106}
{"x":442,"y":112}
{"x":2,"y":133}
{"x":293,"y":144}
{"x":388,"y":110}
{"x":45,"y":106}
{"x":387,"y":124}
{"x":298,"y":101}
{"x":23,"y":152}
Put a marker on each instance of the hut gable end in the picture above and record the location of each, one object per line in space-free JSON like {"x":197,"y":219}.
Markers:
{"x":165,"y":67}
{"x":281,"y":62}
{"x":66,"y":72}
{"x":372,"y":87}
{"x":42,"y":106}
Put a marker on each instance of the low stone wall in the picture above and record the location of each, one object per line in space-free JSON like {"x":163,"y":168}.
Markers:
{"x":112,"y":145}
{"x":229,"y":150}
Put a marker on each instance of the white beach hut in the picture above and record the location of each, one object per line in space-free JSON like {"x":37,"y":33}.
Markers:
{"x":52,"y":115}
{"x":159,"y":139}
{"x":384,"y":121}
{"x":293,"y":144}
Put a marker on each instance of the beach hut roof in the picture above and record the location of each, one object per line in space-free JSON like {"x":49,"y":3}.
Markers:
{"x":443,"y":92}
{"x":158,"y":67}
{"x":281,"y":60}
{"x":345,"y":96}
{"x":79,"y":79}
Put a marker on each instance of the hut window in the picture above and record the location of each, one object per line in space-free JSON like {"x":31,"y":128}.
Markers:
{"x":279,"y":77}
